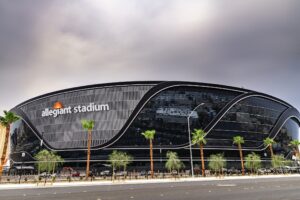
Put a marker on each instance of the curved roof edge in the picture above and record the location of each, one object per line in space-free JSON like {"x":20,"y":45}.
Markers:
{"x":148,"y":83}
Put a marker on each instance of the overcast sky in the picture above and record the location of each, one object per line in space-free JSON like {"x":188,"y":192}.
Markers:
{"x":51,"y":45}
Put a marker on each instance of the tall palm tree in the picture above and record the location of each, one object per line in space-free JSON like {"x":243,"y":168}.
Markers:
{"x":198,"y":138}
{"x":295,"y":145}
{"x":7,"y":120}
{"x":88,"y":125}
{"x":149,"y":135}
{"x":238,"y":140}
{"x":269,"y":143}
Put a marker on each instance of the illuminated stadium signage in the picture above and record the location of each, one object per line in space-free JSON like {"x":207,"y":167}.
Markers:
{"x":58,"y":109}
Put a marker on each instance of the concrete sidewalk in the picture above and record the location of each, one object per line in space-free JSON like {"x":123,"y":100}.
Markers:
{"x":142,"y":181}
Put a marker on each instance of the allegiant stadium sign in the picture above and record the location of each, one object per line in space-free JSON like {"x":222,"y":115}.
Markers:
{"x":58,"y":109}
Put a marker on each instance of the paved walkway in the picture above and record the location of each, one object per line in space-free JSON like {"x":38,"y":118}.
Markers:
{"x":142,"y":181}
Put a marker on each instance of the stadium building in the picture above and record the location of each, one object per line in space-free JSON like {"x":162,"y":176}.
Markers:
{"x":122,"y":111}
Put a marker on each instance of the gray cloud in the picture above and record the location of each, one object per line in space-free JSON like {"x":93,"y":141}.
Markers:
{"x":46,"y":46}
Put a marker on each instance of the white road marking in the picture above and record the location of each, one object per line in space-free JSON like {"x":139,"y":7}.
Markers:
{"x":226,"y":185}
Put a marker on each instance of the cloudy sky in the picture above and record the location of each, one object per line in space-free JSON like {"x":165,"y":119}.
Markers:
{"x":51,"y":45}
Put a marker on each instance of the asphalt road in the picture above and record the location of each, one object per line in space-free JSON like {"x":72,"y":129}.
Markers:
{"x":253,"y":189}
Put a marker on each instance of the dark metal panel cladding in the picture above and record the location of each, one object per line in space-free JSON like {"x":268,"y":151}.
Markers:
{"x":65,"y":131}
{"x":125,"y":101}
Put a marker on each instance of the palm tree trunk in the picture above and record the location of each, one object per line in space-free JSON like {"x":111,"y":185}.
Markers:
{"x":88,"y":155}
{"x":271,"y":150}
{"x":3,"y":157}
{"x":202,"y":160}
{"x":242,"y":160}
{"x":151,"y":159}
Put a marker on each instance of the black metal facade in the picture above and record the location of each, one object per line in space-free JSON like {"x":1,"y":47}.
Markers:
{"x":133,"y":107}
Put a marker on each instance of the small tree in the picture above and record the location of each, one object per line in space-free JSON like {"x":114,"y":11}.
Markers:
{"x":269,"y":143}
{"x":47,"y":161}
{"x":56,"y":161}
{"x":278,"y":161}
{"x":115,"y":160}
{"x":119,"y":159}
{"x":238,"y":140}
{"x":252,"y":162}
{"x":44,"y":163}
{"x":126,"y":160}
{"x":217,"y":162}
{"x":173,"y":162}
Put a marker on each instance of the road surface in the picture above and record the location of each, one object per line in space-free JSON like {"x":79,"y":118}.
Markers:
{"x":252,"y":189}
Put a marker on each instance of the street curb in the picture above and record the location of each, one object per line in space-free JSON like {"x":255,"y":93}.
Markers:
{"x":134,"y":182}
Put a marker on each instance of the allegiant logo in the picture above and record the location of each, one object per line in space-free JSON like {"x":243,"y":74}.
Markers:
{"x":60,"y":110}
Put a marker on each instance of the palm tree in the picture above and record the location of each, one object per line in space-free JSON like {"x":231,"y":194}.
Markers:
{"x":252,"y":162}
{"x":269,"y":143}
{"x":198,"y":138}
{"x":173,"y":162}
{"x":149,"y":135}
{"x":217,"y":162}
{"x":295,"y":145}
{"x":238,"y":140}
{"x":6,"y":121}
{"x":88,"y":125}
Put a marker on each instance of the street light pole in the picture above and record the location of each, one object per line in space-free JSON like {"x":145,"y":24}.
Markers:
{"x":41,"y":144}
{"x":21,"y":171}
{"x":190,"y":142}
